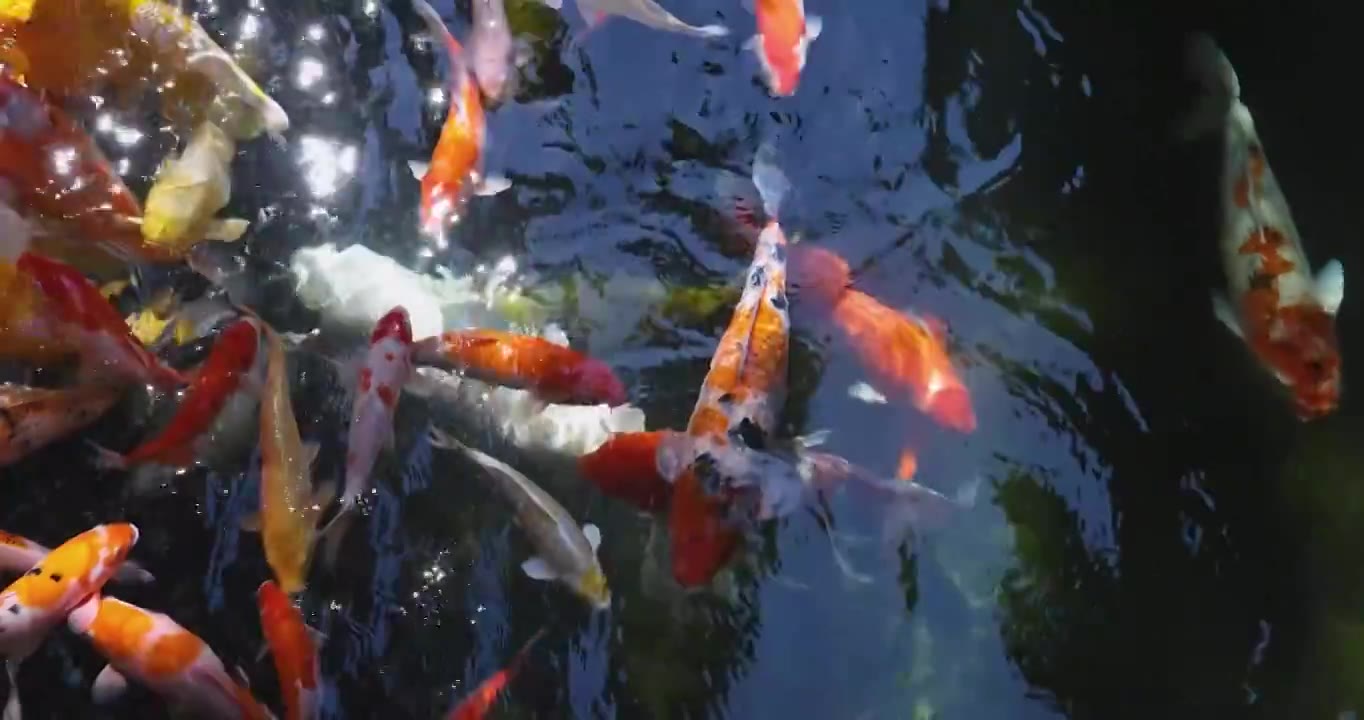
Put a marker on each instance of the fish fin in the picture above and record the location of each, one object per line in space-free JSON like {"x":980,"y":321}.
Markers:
{"x":251,"y":522}
{"x":109,"y":686}
{"x":844,"y":564}
{"x":1330,"y":286}
{"x":814,"y":439}
{"x":593,"y":535}
{"x":537,"y":569}
{"x":864,"y":391}
{"x":419,"y":168}
{"x":310,"y":451}
{"x":1223,"y":311}
{"x":1220,"y":92}
{"x":492,"y":185}
{"x":13,"y":709}
{"x":106,"y":459}
{"x":710,"y":31}
{"x":768,"y":178}
{"x":226,"y":230}
{"x":814,"y":25}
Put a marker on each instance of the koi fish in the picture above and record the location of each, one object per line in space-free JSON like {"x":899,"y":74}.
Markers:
{"x":1286,"y":316}
{"x":645,"y":12}
{"x":477,"y":705}
{"x":156,"y":651}
{"x":180,"y":41}
{"x":26,"y":330}
{"x":87,"y":317}
{"x":565,"y":552}
{"x":288,"y":506}
{"x":294,"y":647}
{"x":784,"y":36}
{"x":226,"y":387}
{"x":387,"y":368}
{"x":908,"y":352}
{"x":18,"y":554}
{"x":490,"y":48}
{"x":31,"y":418}
{"x":626,"y":467}
{"x":51,"y":166}
{"x":552,"y":372}
{"x":42,"y":597}
{"x":455,"y":171}
{"x":189,"y":190}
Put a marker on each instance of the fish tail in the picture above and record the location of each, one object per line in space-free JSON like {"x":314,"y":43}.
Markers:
{"x":1221,"y":89}
{"x":768,"y":178}
{"x":709,"y":31}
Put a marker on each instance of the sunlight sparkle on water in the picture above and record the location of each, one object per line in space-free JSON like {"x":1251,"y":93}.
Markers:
{"x":327,"y":164}
{"x":310,"y":70}
{"x":316,"y":32}
{"x":64,"y":160}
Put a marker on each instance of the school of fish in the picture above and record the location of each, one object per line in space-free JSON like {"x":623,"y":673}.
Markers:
{"x":712,"y":484}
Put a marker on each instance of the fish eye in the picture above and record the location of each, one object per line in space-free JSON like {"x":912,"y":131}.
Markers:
{"x":56,"y":577}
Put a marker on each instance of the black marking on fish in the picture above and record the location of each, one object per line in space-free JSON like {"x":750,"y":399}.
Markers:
{"x":14,"y":609}
{"x":726,"y":399}
{"x":758,"y":278}
{"x":55,"y":577}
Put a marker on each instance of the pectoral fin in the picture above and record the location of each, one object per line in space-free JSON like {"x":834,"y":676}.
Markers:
{"x":492,"y":185}
{"x":419,"y":168}
{"x":1330,"y":286}
{"x":1223,"y":310}
{"x":228,"y":230}
{"x":109,"y":686}
{"x":814,"y":25}
{"x":537,"y":569}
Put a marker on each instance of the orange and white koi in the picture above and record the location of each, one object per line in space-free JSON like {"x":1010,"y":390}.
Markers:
{"x":783,"y":40}
{"x":288,"y":505}
{"x":477,"y":705}
{"x":551,"y":372}
{"x":31,"y":418}
{"x":455,"y":172}
{"x":43,"y":597}
{"x":81,"y":312}
{"x":1283,"y":313}
{"x":156,"y":651}
{"x":294,"y":647}
{"x":740,"y":397}
{"x":19,"y":554}
{"x":225,"y":387}
{"x":386,"y":369}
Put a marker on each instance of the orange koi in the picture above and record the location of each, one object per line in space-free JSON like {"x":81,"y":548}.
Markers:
{"x":18,"y":554}
{"x":626,"y":467}
{"x":783,"y":40}
{"x":553,"y":373}
{"x":295,"y":651}
{"x":154,"y":650}
{"x":1278,"y":308}
{"x":230,"y":376}
{"x":31,"y":418}
{"x":106,"y":343}
{"x":43,"y":597}
{"x":477,"y":705}
{"x":288,"y":506}
{"x":455,"y":171}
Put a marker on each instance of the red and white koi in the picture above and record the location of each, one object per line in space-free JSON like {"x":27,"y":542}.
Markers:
{"x":387,"y":368}
{"x":293,"y":644}
{"x":225,"y":388}
{"x":455,"y":172}
{"x":106,"y":344}
{"x":31,"y":418}
{"x":1283,"y":313}
{"x":783,"y":40}
{"x":43,"y":597}
{"x":156,"y":651}
{"x":19,"y":554}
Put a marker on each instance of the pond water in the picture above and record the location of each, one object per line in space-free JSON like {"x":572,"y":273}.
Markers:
{"x":1155,"y":534}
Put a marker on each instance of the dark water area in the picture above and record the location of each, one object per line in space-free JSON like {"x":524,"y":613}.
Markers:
{"x":1156,"y":534}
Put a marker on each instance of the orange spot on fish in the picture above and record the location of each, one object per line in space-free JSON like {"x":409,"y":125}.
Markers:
{"x":909,"y":464}
{"x":1266,"y":242}
{"x":387,"y":396}
{"x":708,"y":420}
{"x":119,"y":629}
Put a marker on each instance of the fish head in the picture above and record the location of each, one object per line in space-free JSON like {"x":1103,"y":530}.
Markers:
{"x":593,"y":587}
{"x":65,"y":577}
{"x":396,"y":325}
{"x":590,"y":381}
{"x":1305,"y":356}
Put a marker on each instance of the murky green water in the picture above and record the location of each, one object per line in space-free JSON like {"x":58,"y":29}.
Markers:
{"x":1156,"y":535}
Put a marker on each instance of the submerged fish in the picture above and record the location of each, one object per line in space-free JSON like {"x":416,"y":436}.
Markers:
{"x":387,"y":368}
{"x":156,"y":651}
{"x":455,"y":172}
{"x":289,"y":508}
{"x":1286,"y":316}
{"x":188,"y":191}
{"x":784,"y":36}
{"x":294,"y":647}
{"x":83,"y":314}
{"x":42,"y":598}
{"x":31,"y":418}
{"x":645,"y":12}
{"x":566,"y":552}
{"x":555,"y":374}
{"x":18,"y":554}
{"x":491,"y":48}
{"x":180,"y":41}
{"x":224,"y":391}
{"x":477,"y":705}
